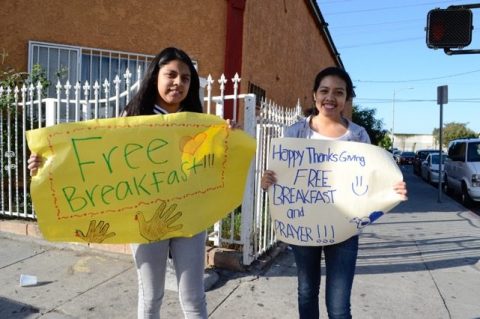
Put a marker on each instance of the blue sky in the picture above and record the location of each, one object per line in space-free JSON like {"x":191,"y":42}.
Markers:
{"x":382,"y":45}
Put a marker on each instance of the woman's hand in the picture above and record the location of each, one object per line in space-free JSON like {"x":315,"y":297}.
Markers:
{"x":233,"y":125}
{"x":401,"y":189}
{"x":268,"y":179}
{"x":34,"y":162}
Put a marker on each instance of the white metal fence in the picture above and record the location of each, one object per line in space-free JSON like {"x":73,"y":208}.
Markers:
{"x":247,"y":228}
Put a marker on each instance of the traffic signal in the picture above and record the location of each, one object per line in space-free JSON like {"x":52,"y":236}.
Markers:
{"x":449,"y":28}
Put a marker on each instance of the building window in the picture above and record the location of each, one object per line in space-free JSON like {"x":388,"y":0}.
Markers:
{"x":81,"y":64}
{"x":258,"y":91}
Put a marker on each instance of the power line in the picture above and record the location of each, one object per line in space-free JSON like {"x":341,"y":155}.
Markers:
{"x":381,"y":101}
{"x":381,"y":32}
{"x":386,"y":8}
{"x":380,"y":43}
{"x":332,"y":2}
{"x":418,"y":80}
{"x":372,"y":24}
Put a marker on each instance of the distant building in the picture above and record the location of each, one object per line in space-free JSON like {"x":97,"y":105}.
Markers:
{"x":414,"y":142}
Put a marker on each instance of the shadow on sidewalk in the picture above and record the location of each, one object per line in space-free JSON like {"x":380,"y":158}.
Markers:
{"x":384,"y":256}
{"x":418,"y":235}
{"x":13,"y":309}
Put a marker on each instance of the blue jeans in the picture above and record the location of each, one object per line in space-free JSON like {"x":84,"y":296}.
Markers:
{"x":340,"y":260}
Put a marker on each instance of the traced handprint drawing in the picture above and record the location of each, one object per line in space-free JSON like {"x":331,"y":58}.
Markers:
{"x":160,"y":224}
{"x":190,"y":144}
{"x":96,"y":233}
{"x":364,"y":221}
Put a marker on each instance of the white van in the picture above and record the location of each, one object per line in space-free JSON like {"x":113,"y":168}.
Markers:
{"x":462,"y":169}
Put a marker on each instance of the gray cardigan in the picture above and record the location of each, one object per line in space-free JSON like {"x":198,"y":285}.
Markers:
{"x":355,"y":133}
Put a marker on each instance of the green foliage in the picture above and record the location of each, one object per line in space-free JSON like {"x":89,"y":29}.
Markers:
{"x":453,"y":131}
{"x":9,"y":112}
{"x":386,"y":142}
{"x":227,"y":226}
{"x":366,"y":118}
{"x":38,"y":75}
{"x":62,"y":73}
{"x":9,"y":78}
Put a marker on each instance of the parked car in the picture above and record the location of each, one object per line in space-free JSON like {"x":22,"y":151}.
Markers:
{"x":405,"y":158}
{"x":420,"y":156}
{"x":395,"y":154}
{"x":462,"y":169}
{"x":430,"y":168}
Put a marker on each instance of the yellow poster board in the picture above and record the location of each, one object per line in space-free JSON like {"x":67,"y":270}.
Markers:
{"x":137,"y":179}
{"x":327,"y":191}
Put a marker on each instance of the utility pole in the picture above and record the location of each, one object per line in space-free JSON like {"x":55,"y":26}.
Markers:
{"x":442,"y":98}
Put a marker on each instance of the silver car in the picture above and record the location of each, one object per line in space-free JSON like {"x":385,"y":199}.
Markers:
{"x":430,"y":168}
{"x":462,"y":169}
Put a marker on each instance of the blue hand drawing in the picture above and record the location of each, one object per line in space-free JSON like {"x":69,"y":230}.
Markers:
{"x":357,"y":186}
{"x":361,"y":222}
{"x":375,"y":215}
{"x":364,"y":221}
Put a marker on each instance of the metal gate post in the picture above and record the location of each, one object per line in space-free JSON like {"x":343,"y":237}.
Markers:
{"x":248,"y":204}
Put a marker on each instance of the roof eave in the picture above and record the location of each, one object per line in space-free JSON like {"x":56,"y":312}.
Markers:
{"x":323,"y":27}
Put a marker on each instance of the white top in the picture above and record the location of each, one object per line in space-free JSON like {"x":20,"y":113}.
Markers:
{"x":317,"y":136}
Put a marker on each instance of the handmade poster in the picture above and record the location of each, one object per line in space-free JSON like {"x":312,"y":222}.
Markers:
{"x":137,"y":179}
{"x":327,"y":191}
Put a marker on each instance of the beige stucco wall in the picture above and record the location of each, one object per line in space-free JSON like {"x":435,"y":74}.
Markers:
{"x":140,"y":26}
{"x":282,"y":39}
{"x":283,"y":48}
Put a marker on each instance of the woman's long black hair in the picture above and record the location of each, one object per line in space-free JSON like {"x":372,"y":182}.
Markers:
{"x":142,"y":103}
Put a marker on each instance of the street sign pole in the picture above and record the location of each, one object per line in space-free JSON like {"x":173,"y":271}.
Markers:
{"x":442,"y":98}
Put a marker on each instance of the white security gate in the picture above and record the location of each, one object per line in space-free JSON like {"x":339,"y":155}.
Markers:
{"x":247,"y":228}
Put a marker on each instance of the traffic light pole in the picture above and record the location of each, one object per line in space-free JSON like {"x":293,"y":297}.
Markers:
{"x":465,"y":6}
{"x":453,"y":52}
{"x":449,"y":51}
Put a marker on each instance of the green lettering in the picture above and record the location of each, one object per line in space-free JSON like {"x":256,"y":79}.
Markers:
{"x":106,"y":189}
{"x":156,"y":180}
{"x":77,"y":155}
{"x":194,"y":166}
{"x":127,"y":152}
{"x":172,"y":178}
{"x":139,"y":186}
{"x":127,"y":190}
{"x":107,"y":159}
{"x":184,"y":176}
{"x":153,"y":146}
{"x":69,"y":193}
{"x":90,"y":195}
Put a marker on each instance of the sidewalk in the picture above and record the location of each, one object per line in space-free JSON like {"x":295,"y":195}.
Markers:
{"x":419,"y":261}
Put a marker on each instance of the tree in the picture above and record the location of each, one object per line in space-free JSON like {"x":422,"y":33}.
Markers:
{"x":366,"y":118}
{"x":453,"y":131}
{"x":386,"y":142}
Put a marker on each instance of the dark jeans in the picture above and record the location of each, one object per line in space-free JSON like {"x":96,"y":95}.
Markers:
{"x":340,"y":262}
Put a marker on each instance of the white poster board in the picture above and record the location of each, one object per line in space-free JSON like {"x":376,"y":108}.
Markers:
{"x":327,"y":191}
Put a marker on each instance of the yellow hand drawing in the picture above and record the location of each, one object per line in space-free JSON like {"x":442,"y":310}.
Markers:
{"x":96,"y":233}
{"x":190,"y":144}
{"x":160,"y":224}
{"x":207,"y":147}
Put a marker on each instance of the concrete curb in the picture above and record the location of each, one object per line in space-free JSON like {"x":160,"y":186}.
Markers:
{"x":215,"y":257}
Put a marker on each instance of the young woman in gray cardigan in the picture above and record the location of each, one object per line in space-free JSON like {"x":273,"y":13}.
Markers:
{"x":332,"y":89}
